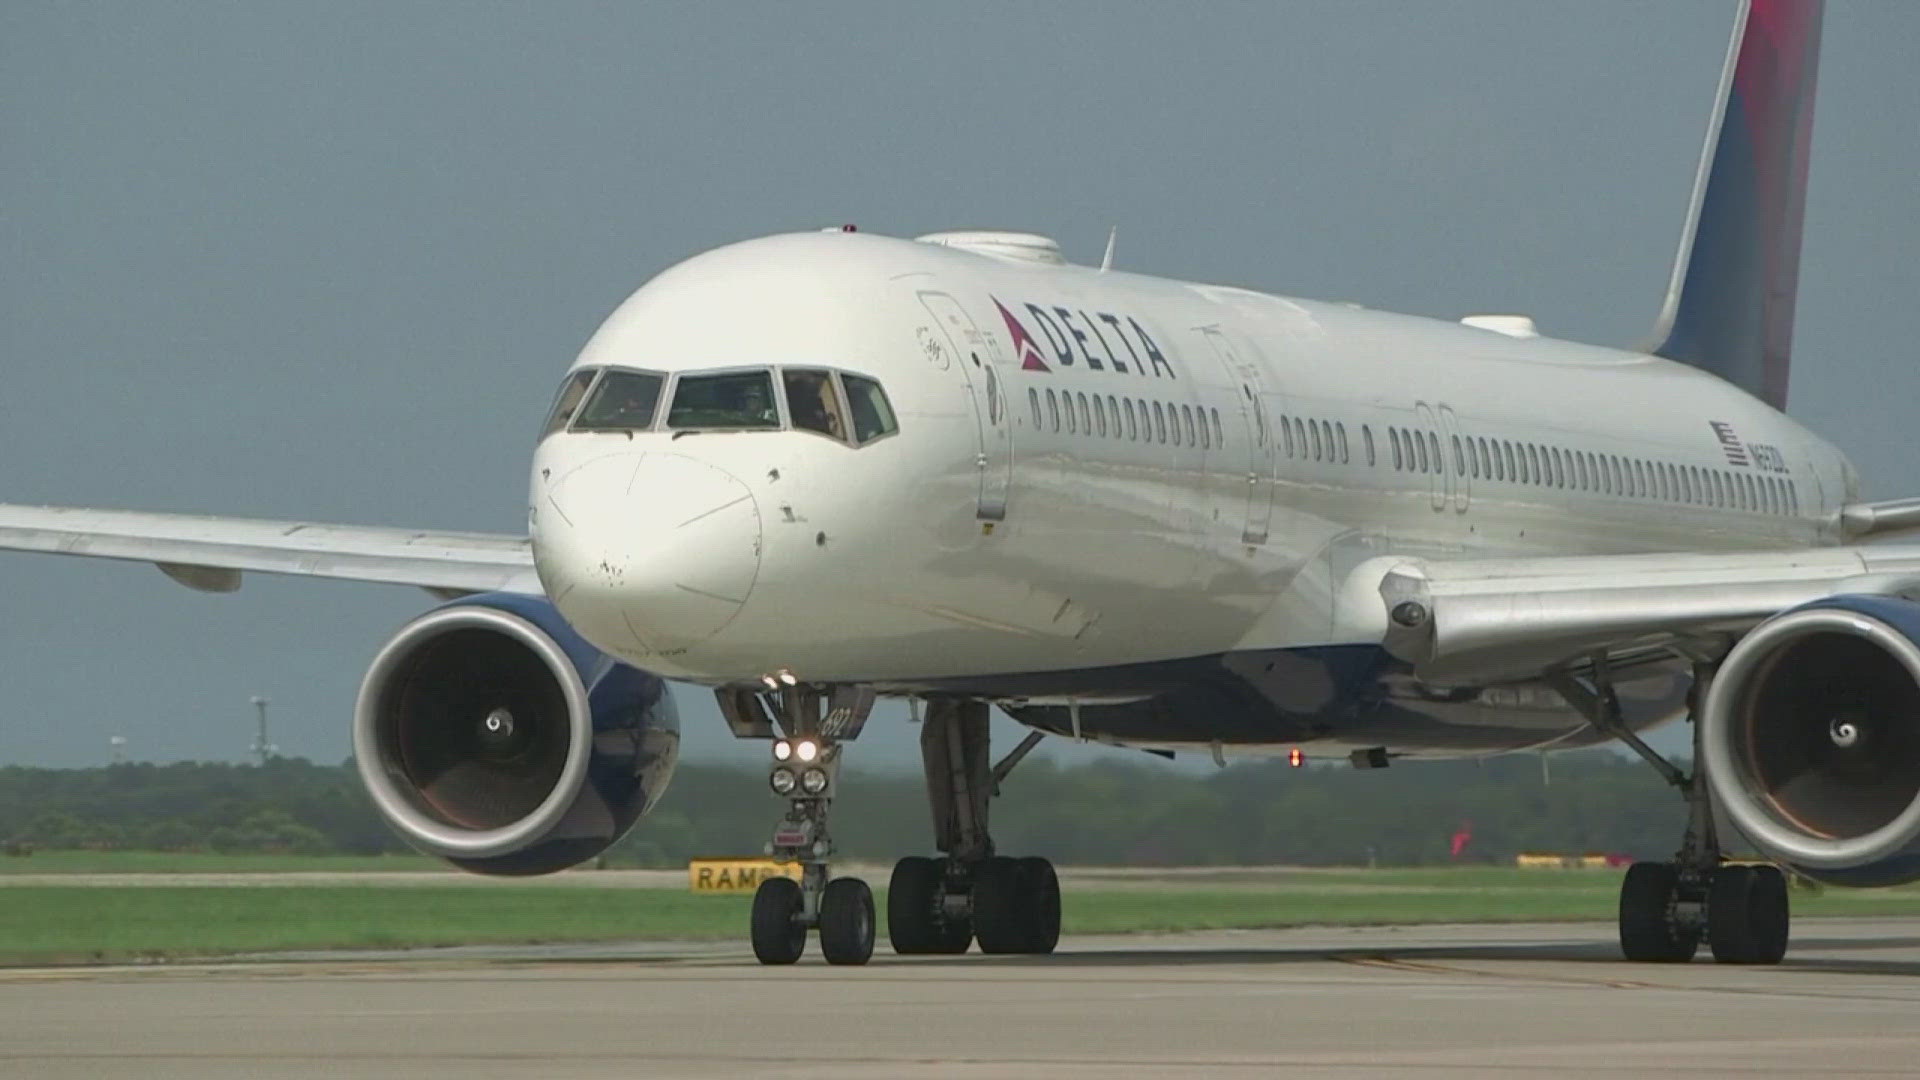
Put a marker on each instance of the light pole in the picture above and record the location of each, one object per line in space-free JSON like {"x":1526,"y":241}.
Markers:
{"x":262,"y":749}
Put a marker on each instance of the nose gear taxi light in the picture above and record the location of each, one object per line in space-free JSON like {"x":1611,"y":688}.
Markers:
{"x":781,"y":780}
{"x":813,"y":781}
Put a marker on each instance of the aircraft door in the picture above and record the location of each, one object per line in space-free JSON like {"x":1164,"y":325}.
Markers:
{"x":978,"y":357}
{"x":1257,"y":435}
{"x":1454,"y":446}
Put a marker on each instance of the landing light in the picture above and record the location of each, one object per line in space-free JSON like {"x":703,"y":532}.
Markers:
{"x":782,"y":750}
{"x":788,"y":677}
{"x":806,"y":749}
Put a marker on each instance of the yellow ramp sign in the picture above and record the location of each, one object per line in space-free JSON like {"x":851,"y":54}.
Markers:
{"x":736,"y":875}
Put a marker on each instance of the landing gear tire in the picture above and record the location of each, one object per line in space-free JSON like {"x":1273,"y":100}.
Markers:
{"x":1747,"y":915}
{"x":999,"y":905}
{"x":917,"y":923}
{"x":1043,"y":912}
{"x":1647,"y":928}
{"x":779,"y":937}
{"x":846,"y":921}
{"x":1016,"y":905}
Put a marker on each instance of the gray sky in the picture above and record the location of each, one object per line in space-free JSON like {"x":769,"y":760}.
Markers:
{"x":328,"y":261}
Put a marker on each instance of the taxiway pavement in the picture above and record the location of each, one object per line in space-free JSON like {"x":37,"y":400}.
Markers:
{"x":1431,"y":1001}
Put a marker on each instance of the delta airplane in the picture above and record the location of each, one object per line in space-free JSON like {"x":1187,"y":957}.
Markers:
{"x":812,"y":470}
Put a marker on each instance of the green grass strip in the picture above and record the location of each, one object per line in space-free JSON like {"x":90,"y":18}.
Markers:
{"x":59,"y":924}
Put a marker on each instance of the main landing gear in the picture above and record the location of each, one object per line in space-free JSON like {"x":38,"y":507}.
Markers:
{"x":1667,"y":908}
{"x":939,"y":905}
{"x":933,"y":905}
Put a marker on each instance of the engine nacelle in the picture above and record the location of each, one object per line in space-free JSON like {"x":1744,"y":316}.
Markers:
{"x":492,"y":735}
{"x":1811,"y":735}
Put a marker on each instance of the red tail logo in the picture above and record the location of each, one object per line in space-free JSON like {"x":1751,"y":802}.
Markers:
{"x":1023,"y":346}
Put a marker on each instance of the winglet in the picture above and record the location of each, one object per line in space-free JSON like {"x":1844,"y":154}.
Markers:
{"x":1729,"y":303}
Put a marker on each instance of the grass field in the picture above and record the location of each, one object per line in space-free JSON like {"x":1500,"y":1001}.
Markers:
{"x":55,"y":923}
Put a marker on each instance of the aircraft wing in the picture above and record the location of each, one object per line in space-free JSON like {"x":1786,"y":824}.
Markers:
{"x":211,"y":553}
{"x":1486,"y":620}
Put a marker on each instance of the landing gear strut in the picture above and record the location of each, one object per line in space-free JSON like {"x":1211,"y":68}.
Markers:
{"x":939,"y":905}
{"x":806,"y":771}
{"x":1666,"y":908}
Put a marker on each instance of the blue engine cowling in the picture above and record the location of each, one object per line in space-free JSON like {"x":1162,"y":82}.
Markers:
{"x":490,"y":734}
{"x":1811,"y":736}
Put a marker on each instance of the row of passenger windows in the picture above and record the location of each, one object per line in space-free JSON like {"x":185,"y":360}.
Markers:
{"x":1114,"y":417}
{"x":1581,"y":470}
{"x":837,"y":404}
{"x":1312,"y":439}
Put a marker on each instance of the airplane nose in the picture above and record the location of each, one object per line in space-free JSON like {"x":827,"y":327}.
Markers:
{"x":656,"y":549}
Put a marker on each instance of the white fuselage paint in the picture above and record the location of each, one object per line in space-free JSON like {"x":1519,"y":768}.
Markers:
{"x":977,"y":544}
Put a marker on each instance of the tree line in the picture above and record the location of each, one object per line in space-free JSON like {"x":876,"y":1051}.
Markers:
{"x":1111,"y":813}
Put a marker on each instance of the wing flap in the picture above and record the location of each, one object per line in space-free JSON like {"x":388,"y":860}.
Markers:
{"x":1488,"y":620}
{"x":209,"y":553}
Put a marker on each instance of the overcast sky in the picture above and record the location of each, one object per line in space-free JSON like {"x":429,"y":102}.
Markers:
{"x":328,"y":261}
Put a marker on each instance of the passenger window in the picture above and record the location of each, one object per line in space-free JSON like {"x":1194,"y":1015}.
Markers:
{"x":1159,"y":423}
{"x":1313,"y":431}
{"x":1033,"y":400}
{"x":1286,"y":434}
{"x":1086,"y":421}
{"x":1526,"y":472}
{"x":567,"y":401}
{"x":1053,"y":409}
{"x":1506,"y":451}
{"x":1340,"y":436}
{"x":1099,"y":418}
{"x":1206,"y":436}
{"x":1366,"y":439}
{"x":1073,"y":425}
{"x":812,"y":403}
{"x":1473,"y":460}
{"x":1219,"y":433}
{"x":1133,"y":431}
{"x":1300,"y":436}
{"x":727,"y":401}
{"x":1113,"y":414}
{"x":1393,"y":437}
{"x":873,"y":413}
{"x":1186,"y":421}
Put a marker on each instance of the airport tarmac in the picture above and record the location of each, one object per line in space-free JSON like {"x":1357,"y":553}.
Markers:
{"x":1432,"y":1001}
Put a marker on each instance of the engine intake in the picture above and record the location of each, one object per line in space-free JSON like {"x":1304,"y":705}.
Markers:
{"x":1811,"y":734}
{"x":490,"y":734}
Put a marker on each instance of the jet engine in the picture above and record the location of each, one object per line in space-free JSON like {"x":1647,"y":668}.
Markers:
{"x":1811,"y":735}
{"x":490,"y":734}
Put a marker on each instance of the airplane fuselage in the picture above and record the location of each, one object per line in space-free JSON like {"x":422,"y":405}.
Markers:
{"x":1124,"y":503}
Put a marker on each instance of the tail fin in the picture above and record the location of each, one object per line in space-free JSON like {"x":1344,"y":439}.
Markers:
{"x":1729,"y":304}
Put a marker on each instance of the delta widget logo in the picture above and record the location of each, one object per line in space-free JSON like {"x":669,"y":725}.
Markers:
{"x":1075,"y":337}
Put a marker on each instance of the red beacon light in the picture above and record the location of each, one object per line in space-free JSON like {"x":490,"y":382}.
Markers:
{"x":1295,"y":758}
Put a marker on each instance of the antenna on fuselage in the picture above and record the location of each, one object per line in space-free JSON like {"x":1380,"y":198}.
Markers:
{"x":1106,"y":261}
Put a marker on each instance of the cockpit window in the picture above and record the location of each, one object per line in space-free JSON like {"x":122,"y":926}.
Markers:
{"x":568,"y":400}
{"x":624,"y":401}
{"x":872,"y":414}
{"x":736,"y":399}
{"x":813,"y":404}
